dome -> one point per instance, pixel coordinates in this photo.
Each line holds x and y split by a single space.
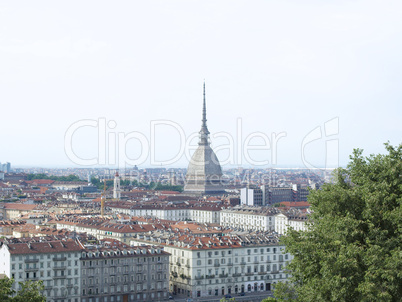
204 162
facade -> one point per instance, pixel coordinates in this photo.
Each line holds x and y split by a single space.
103 229
201 212
105 271
252 196
278 194
204 173
111 274
5 167
284 221
220 265
55 262
248 218
300 193
16 210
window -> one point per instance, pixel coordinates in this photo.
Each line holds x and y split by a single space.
198 262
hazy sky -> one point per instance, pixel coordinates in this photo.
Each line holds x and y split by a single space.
283 68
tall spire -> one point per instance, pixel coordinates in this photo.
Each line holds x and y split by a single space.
204 133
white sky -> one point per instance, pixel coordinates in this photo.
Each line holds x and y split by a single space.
279 66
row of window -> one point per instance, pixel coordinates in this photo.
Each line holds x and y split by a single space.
42 256
42 274
41 265
121 261
123 288
119 279
124 269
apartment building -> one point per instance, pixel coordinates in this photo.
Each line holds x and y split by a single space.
219 265
57 263
102 228
78 271
249 218
122 273
292 219
202 212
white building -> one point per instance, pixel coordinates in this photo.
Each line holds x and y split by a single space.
203 212
219 265
249 218
56 263
251 197
284 221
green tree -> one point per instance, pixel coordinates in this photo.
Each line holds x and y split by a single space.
31 291
352 250
6 290
70 177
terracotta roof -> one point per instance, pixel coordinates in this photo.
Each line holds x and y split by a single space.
44 247
19 206
295 204
40 181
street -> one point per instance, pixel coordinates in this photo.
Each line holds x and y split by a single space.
249 297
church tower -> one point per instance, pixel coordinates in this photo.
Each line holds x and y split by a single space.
204 173
116 188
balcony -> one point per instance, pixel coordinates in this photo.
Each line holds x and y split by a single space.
60 259
31 260
275 272
243 263
236 275
230 264
31 269
59 267
59 277
249 274
210 276
256 262
261 273
217 265
199 277
223 275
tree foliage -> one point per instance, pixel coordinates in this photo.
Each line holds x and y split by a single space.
352 250
70 177
30 291
146 185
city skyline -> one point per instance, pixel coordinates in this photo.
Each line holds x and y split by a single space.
325 72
